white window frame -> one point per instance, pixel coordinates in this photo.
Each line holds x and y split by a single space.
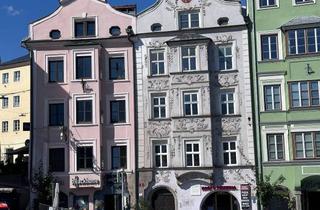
50 57
269 47
83 97
258 6
189 12
117 54
279 41
16 125
229 151
224 46
5 126
94 154
185 92
161 154
5 78
272 95
276 146
82 53
108 159
159 95
5 103
16 103
306 2
274 129
157 50
84 16
196 56
227 102
16 76
195 141
116 97
272 80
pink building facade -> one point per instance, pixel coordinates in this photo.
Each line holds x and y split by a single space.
83 103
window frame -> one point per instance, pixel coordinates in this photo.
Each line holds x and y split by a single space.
305 38
64 159
228 91
82 53
191 92
269 47
313 134
195 141
280 45
117 56
5 103
273 96
84 97
157 50
84 20
5 78
224 46
153 106
189 14
189 57
85 143
305 2
229 151
5 126
126 157
117 100
16 125
309 82
14 104
275 135
119 96
64 112
161 154
260 6
16 76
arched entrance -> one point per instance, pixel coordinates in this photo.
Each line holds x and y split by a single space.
162 199
220 201
310 188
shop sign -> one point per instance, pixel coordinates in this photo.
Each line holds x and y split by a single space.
223 188
195 190
78 182
245 196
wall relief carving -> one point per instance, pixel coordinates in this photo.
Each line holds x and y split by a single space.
189 79
158 84
191 124
159 129
163 176
230 125
226 80
223 38
156 44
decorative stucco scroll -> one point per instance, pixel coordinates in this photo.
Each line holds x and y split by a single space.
189 78
159 129
158 84
231 125
163 176
191 124
226 80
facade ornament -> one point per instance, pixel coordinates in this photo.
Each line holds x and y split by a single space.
159 129
189 79
158 84
156 44
192 124
231 125
223 38
226 80
163 176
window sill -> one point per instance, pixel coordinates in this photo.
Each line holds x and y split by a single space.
57 83
190 72
271 61
227 116
159 119
192 116
158 76
84 171
295 56
117 80
119 124
303 3
85 80
227 71
85 125
267 7
273 111
315 108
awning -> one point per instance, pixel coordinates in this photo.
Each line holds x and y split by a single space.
301 21
21 150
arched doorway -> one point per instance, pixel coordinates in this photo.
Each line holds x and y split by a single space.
310 188
162 199
220 201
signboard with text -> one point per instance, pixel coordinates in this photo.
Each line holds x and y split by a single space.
245 196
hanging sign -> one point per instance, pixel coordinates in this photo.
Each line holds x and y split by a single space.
245 196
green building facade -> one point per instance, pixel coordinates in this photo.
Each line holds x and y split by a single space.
285 52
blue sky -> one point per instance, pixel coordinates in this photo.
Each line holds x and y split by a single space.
15 15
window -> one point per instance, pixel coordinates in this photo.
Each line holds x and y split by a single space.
118 111
16 101
119 157
84 113
9 157
84 157
56 114
56 160
192 150
5 126
304 41
161 155
304 94
303 1
229 153
189 62
159 106
5 102
5 78
156 27
56 69
275 147
116 68
272 97
157 62
16 125
190 101
83 66
307 145
225 57
267 3
227 103
16 76
189 20
115 31
55 34
84 28
269 47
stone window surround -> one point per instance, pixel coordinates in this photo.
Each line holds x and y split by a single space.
236 105
54 56
197 46
112 143
232 43
199 100
192 140
280 45
272 80
87 142
87 52
164 49
156 141
277 129
229 151
115 54
150 107
179 10
84 16
115 97
92 97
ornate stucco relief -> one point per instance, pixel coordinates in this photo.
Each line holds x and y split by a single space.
158 84
163 176
159 129
189 78
192 124
229 125
226 80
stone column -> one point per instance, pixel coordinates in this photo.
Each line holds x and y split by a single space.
298 200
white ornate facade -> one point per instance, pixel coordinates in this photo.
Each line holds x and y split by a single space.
195 138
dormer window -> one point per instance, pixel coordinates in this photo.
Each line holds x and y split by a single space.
189 20
84 28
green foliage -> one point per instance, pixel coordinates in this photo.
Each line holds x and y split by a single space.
267 190
142 205
42 183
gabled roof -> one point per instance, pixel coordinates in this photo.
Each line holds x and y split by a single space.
301 20
21 59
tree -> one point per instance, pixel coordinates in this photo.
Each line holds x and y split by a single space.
266 190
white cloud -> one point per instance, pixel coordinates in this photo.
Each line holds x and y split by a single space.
11 10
